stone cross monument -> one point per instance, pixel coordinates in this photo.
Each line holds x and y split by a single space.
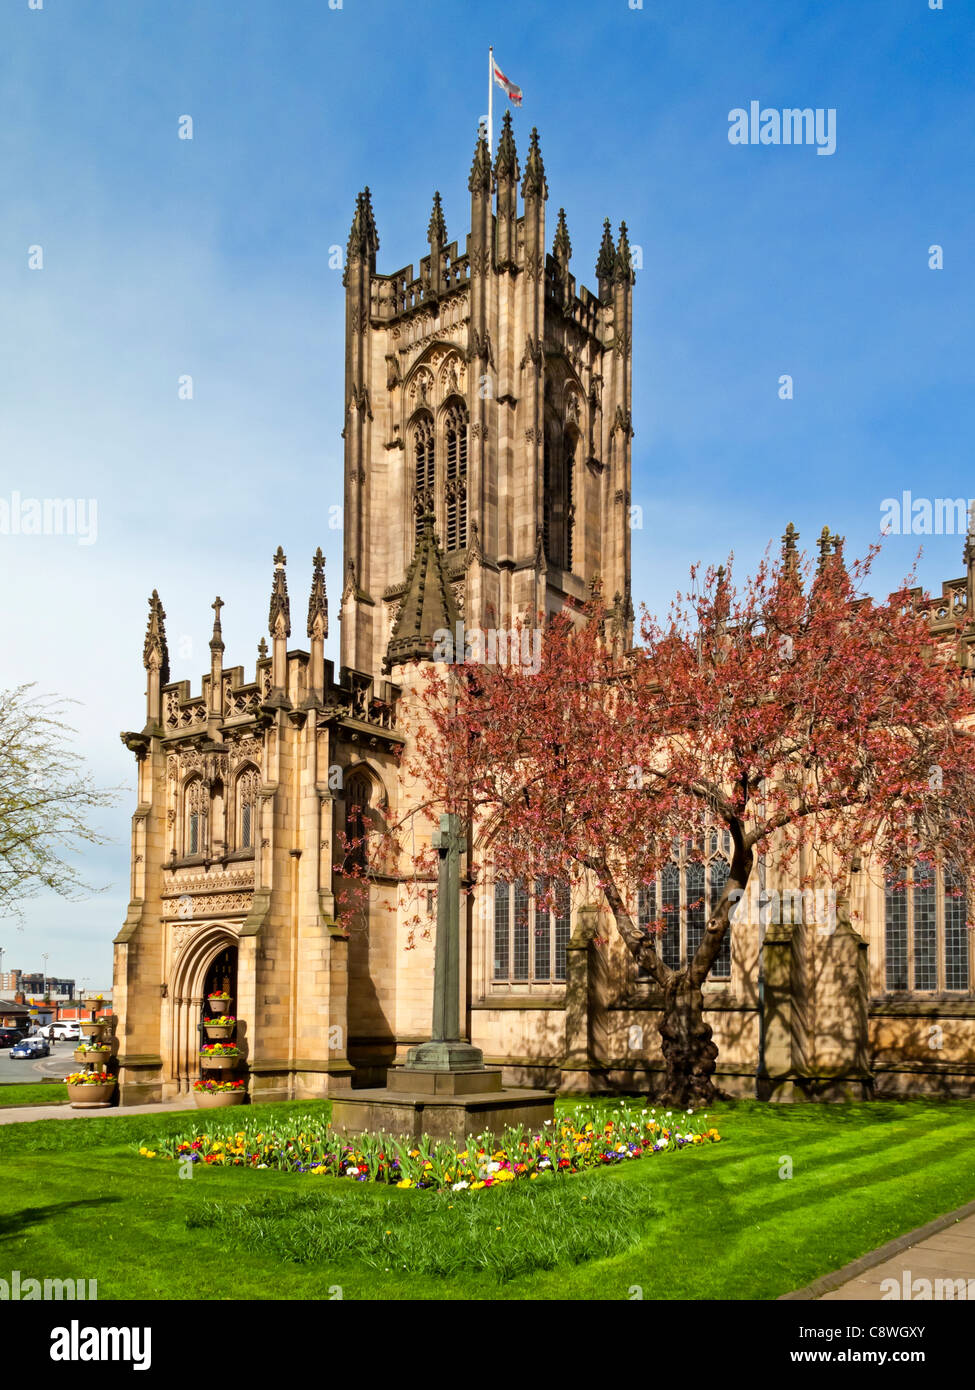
446 1051
444 1088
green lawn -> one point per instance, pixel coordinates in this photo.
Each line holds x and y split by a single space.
33 1093
77 1200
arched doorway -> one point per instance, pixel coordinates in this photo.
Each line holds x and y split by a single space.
221 976
207 964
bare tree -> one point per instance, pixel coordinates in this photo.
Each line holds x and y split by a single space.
45 797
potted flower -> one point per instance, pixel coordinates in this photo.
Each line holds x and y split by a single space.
94 1001
219 1001
212 1095
220 1027
219 1056
93 1052
94 1027
90 1089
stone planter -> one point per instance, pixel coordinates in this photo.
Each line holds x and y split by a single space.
93 1004
217 1100
218 1031
94 1097
98 1058
218 1062
93 1028
219 1006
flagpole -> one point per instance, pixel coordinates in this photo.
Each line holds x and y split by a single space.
491 101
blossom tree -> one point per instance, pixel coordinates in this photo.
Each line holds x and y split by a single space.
797 715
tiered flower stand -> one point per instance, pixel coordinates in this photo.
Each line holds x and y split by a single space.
94 1095
220 1028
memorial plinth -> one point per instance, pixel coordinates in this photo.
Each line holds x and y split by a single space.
444 1090
443 1105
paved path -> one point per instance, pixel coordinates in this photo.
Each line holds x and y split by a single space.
943 1250
12 1115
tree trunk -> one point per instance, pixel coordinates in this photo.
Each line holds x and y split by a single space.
686 1039
686 1042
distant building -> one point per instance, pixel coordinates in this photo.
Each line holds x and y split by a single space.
14 1015
36 982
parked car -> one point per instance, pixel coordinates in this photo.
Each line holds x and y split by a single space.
66 1032
10 1036
28 1048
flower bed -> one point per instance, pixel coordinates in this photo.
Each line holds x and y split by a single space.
586 1137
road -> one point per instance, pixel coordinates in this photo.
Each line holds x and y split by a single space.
59 1064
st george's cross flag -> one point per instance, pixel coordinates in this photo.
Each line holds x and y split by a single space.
513 92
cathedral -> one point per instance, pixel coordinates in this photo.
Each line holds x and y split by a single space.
487 446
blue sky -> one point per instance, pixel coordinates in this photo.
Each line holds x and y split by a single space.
163 257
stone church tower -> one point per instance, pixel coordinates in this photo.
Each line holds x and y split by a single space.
494 393
487 474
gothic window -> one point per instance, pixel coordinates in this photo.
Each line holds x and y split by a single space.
217 820
358 790
455 456
424 469
681 899
558 508
926 939
195 810
530 940
548 529
247 782
570 449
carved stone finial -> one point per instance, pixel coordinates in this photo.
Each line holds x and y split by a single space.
506 164
824 545
722 599
279 615
541 560
606 263
363 238
155 652
480 179
790 555
318 601
790 548
262 649
623 269
351 581
533 185
837 552
474 552
562 246
216 641
437 230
